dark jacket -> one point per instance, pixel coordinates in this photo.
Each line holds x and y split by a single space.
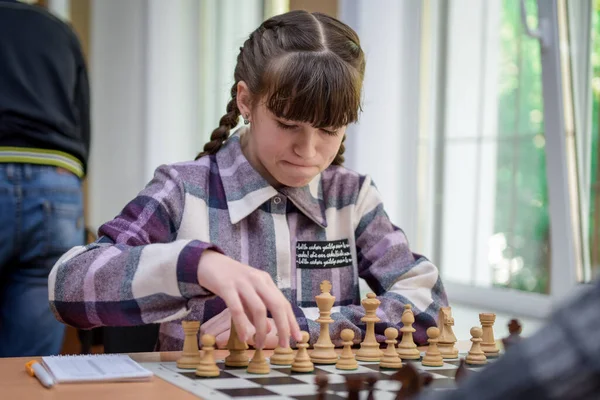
44 88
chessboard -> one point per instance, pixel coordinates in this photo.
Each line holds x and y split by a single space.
282 383
325 373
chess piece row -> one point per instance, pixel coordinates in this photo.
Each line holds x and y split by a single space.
434 358
442 340
447 339
324 349
482 338
324 352
301 361
205 365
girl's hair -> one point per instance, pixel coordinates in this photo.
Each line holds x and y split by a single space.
307 67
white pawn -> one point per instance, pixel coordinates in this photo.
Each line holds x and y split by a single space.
282 356
476 356
391 359
347 360
302 361
207 366
258 364
433 357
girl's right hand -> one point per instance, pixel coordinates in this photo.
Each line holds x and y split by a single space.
248 294
220 327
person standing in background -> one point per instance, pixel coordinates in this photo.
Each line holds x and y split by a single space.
44 147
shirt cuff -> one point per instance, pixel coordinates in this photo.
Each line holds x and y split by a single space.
187 269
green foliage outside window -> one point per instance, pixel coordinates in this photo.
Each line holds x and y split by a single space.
521 219
522 198
595 188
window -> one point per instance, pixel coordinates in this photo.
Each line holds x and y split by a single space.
519 245
594 230
494 209
504 159
493 164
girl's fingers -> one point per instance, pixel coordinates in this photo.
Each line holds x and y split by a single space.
217 324
222 339
294 327
243 326
271 342
258 315
269 325
281 321
248 294
282 313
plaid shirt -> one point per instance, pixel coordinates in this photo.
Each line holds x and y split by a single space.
142 269
560 361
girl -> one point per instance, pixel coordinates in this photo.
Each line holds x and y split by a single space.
250 229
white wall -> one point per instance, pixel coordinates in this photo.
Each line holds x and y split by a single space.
227 24
384 142
150 62
118 80
171 95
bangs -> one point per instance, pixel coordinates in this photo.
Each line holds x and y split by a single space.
318 88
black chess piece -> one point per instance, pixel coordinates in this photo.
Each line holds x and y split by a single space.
371 381
321 380
514 337
411 382
426 379
354 384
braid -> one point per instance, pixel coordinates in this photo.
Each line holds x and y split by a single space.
339 158
226 124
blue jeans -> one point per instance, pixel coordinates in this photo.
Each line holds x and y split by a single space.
41 217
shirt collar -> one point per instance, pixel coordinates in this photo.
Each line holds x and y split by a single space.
246 190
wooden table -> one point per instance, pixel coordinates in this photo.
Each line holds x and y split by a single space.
15 383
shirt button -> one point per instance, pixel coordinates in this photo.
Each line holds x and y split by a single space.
277 200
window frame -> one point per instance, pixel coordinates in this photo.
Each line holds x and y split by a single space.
564 211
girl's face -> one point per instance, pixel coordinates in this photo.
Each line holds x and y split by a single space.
287 153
